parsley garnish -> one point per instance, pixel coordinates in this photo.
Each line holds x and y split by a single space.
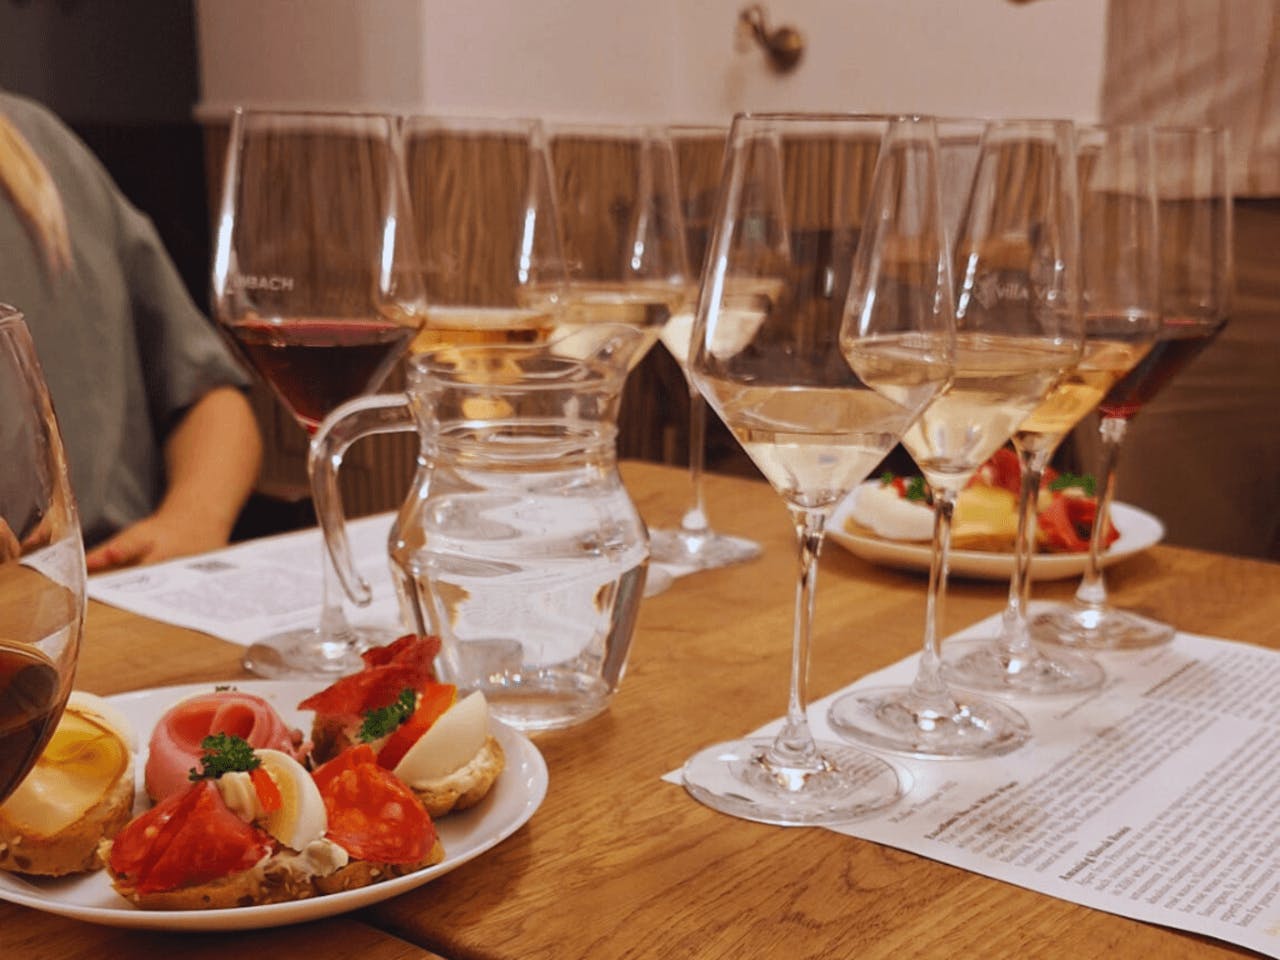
223 753
1064 480
381 721
916 489
886 478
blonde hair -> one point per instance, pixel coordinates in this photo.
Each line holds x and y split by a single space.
33 192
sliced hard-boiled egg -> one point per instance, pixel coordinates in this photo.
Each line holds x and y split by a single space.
449 744
301 817
88 752
878 507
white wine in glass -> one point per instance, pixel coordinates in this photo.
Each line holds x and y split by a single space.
799 217
1017 331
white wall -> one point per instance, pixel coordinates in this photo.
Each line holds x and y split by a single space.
656 60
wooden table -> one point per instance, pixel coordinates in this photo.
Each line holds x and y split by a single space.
617 863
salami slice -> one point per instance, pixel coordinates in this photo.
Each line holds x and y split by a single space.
188 839
404 664
373 815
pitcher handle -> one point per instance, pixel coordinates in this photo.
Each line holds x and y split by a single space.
361 417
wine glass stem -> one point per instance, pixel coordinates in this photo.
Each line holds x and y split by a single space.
336 636
1093 590
928 685
694 521
794 746
1015 639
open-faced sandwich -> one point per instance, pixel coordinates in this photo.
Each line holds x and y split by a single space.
900 509
80 790
414 726
255 827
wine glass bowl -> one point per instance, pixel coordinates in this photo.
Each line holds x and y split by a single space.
317 283
485 227
620 227
42 571
1017 329
798 209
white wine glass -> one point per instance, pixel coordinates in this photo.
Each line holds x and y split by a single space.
42 573
699 154
1119 277
798 203
621 230
1017 330
1193 193
317 281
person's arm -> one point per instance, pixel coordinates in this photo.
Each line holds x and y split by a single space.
212 458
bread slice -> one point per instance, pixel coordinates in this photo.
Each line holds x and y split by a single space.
271 880
73 849
465 787
361 873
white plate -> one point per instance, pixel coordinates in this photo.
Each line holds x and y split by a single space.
515 796
1138 531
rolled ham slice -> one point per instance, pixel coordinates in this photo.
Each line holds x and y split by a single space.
175 742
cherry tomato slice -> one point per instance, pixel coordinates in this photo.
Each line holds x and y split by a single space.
433 700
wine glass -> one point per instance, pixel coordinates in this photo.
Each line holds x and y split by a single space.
798 202
1017 331
1195 262
699 153
42 573
621 230
1119 276
317 281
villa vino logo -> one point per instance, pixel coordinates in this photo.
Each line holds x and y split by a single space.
995 287
273 283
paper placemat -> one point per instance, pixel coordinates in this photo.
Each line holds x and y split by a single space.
1153 798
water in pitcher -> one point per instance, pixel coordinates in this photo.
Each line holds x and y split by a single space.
531 570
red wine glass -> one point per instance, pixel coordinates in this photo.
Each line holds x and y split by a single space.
317 281
42 575
1194 214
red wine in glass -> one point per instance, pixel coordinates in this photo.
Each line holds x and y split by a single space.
315 364
1179 342
30 705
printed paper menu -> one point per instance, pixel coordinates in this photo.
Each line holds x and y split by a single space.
1156 798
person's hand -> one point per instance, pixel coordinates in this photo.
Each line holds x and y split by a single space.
152 539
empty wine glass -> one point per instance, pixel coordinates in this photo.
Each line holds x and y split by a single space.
317 281
1196 275
798 202
1017 330
1119 284
42 574
699 153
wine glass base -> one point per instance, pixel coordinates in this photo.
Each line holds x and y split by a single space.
306 653
985 665
701 551
1082 627
893 718
656 580
737 778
